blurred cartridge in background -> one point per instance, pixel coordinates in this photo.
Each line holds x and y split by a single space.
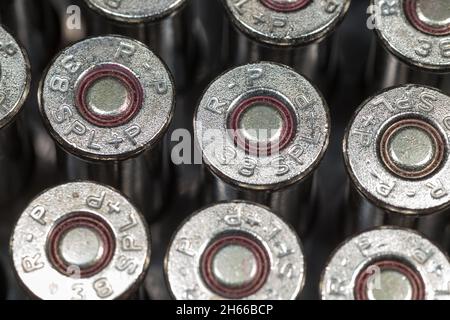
387 263
262 130
396 154
16 151
298 33
180 31
108 101
412 44
235 250
80 241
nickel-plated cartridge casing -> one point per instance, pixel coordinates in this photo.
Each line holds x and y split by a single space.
412 44
387 263
262 130
107 102
396 154
16 151
80 241
235 250
296 33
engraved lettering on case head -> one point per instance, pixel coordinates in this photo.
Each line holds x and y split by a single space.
38 215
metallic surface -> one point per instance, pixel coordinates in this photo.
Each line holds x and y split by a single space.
299 27
331 176
207 20
15 77
162 25
361 154
239 277
406 255
34 24
16 153
81 246
144 179
412 148
431 17
124 154
297 204
303 39
227 265
360 214
380 195
271 174
183 260
16 161
404 53
406 42
135 11
185 34
31 242
389 279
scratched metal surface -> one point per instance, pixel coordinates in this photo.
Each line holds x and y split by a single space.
355 40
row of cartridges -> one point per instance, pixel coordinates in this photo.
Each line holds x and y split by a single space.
114 111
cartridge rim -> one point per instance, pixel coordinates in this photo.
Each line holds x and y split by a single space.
142 115
235 221
122 261
406 40
416 192
300 23
303 124
136 11
15 75
389 247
